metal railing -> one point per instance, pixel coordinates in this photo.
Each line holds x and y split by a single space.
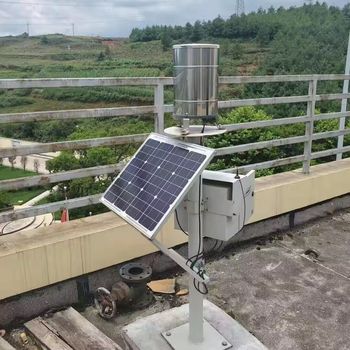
159 109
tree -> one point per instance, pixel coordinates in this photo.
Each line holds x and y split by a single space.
166 41
240 115
101 56
217 27
12 160
24 160
108 52
44 40
197 33
65 161
188 31
36 165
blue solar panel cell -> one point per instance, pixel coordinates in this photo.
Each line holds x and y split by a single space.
154 181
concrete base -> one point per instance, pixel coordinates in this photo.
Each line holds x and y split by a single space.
146 333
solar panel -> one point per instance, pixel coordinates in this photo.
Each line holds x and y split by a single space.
155 181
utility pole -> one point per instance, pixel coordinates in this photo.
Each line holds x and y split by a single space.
73 32
239 7
28 28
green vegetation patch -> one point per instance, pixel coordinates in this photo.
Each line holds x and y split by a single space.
7 173
22 196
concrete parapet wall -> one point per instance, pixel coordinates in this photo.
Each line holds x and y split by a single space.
46 256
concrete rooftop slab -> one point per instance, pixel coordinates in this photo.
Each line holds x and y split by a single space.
287 300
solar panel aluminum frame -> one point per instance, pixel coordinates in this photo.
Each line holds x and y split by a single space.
207 152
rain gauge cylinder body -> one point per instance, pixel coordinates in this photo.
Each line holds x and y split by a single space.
196 81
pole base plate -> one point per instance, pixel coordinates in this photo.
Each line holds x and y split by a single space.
147 333
179 340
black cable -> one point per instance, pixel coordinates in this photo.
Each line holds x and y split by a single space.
200 248
214 246
200 252
178 223
220 245
244 202
198 287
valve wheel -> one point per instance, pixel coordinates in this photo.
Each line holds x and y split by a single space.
106 307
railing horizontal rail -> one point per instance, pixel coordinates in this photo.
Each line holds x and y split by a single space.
83 82
283 121
70 145
268 164
42 180
328 134
333 115
15 184
263 101
279 100
259 145
74 114
286 161
265 123
94 199
49 208
137 110
331 97
280 78
152 81
120 140
330 152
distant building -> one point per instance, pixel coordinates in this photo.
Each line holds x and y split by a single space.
32 162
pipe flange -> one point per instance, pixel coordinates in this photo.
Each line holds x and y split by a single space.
135 273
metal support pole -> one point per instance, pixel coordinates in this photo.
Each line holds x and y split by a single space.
309 126
344 103
159 104
195 240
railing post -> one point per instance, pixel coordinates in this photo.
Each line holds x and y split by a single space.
159 104
309 126
344 103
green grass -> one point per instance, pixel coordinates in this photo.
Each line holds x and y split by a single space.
23 195
6 173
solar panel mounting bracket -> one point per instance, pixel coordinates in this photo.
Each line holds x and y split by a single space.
180 260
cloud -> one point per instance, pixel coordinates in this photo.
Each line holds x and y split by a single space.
117 17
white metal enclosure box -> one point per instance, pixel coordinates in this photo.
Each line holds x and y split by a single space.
227 204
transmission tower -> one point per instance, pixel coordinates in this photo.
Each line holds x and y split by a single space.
239 7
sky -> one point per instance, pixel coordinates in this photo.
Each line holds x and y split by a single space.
116 18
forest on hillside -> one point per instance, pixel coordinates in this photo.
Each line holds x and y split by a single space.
307 39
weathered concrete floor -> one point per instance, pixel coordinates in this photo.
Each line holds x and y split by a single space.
285 299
